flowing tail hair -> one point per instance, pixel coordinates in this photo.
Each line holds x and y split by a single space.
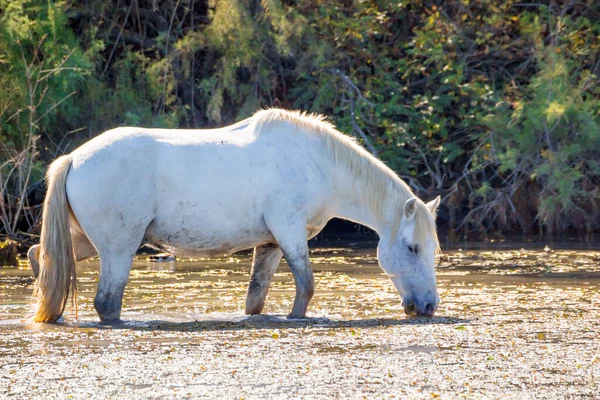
57 274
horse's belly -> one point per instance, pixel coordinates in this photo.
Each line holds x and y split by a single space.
190 240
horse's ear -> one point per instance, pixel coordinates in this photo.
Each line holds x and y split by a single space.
409 208
433 205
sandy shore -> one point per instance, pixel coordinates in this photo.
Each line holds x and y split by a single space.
504 330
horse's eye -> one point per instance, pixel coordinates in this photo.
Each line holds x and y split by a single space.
414 249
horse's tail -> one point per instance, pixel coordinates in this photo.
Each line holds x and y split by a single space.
56 257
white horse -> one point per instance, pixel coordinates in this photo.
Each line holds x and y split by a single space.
269 182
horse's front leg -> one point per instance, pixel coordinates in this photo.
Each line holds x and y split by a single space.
290 233
265 262
297 259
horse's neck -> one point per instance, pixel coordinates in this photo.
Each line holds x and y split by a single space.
351 204
358 214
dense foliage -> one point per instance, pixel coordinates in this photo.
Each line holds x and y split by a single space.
493 104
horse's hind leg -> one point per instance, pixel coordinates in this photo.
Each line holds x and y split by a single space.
33 255
116 256
114 274
265 262
81 245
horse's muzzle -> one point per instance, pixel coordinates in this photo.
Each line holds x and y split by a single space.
420 309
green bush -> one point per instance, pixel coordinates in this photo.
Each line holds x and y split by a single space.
493 104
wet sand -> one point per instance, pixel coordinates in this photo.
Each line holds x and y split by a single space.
511 324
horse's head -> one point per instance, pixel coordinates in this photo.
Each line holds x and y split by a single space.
407 256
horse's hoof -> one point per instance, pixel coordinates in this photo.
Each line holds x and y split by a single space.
292 316
254 307
110 322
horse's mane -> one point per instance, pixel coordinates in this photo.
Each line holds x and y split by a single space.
381 188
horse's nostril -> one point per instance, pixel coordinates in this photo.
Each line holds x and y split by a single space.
429 309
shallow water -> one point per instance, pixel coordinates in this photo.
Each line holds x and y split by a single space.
511 323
